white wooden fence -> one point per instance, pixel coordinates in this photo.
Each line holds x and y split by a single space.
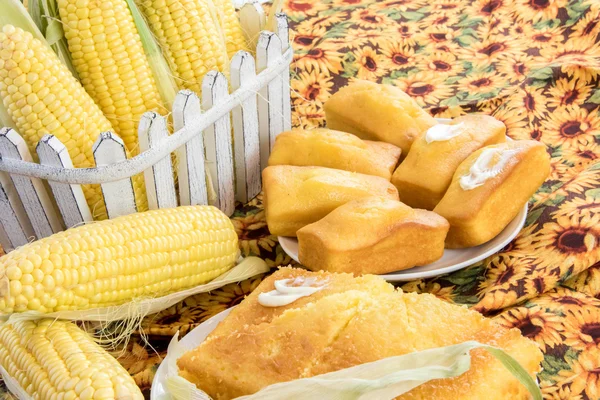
212 134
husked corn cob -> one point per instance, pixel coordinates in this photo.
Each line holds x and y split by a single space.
189 33
53 359
109 57
112 262
231 27
42 97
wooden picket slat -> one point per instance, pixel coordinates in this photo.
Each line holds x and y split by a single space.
191 173
252 19
160 185
33 194
119 196
245 130
217 142
284 35
270 116
69 198
12 216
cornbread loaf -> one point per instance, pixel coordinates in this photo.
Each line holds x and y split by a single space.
373 235
342 325
425 174
334 149
298 196
489 189
377 112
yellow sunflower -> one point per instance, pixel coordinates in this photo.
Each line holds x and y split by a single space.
503 272
546 37
305 39
319 22
586 372
253 234
312 86
578 58
568 93
368 18
587 282
358 37
541 283
324 58
488 7
425 87
571 127
570 243
520 246
580 181
401 5
555 391
562 299
440 19
447 7
438 34
535 10
583 327
513 118
403 31
515 66
370 64
521 30
531 99
531 131
496 299
585 206
441 63
543 327
297 9
398 54
588 27
451 47
448 112
434 288
581 155
308 115
480 83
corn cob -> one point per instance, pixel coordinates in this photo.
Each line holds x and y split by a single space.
189 33
231 27
115 261
42 97
52 359
108 55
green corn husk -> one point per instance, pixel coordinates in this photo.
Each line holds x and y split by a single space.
379 380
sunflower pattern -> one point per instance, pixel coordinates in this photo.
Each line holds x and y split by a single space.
533 64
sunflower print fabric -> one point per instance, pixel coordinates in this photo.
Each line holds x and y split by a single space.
533 64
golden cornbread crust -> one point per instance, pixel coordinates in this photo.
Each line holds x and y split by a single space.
373 235
334 149
480 214
377 112
338 328
426 172
297 196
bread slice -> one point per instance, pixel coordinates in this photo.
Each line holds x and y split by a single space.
373 235
334 149
297 196
377 112
339 329
478 209
426 172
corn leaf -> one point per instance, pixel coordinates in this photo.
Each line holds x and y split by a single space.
159 65
379 380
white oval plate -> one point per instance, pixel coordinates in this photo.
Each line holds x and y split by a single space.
452 259
158 390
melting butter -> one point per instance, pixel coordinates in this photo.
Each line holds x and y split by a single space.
489 164
289 290
442 132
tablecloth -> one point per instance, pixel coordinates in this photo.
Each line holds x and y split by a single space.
533 64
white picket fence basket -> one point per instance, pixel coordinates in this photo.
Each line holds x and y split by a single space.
258 106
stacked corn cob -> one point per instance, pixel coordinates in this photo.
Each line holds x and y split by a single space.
112 262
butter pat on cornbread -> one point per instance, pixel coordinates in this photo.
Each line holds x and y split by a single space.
372 236
297 196
334 149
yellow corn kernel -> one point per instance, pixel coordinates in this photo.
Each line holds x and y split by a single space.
108 55
59 106
189 33
231 27
142 255
55 359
